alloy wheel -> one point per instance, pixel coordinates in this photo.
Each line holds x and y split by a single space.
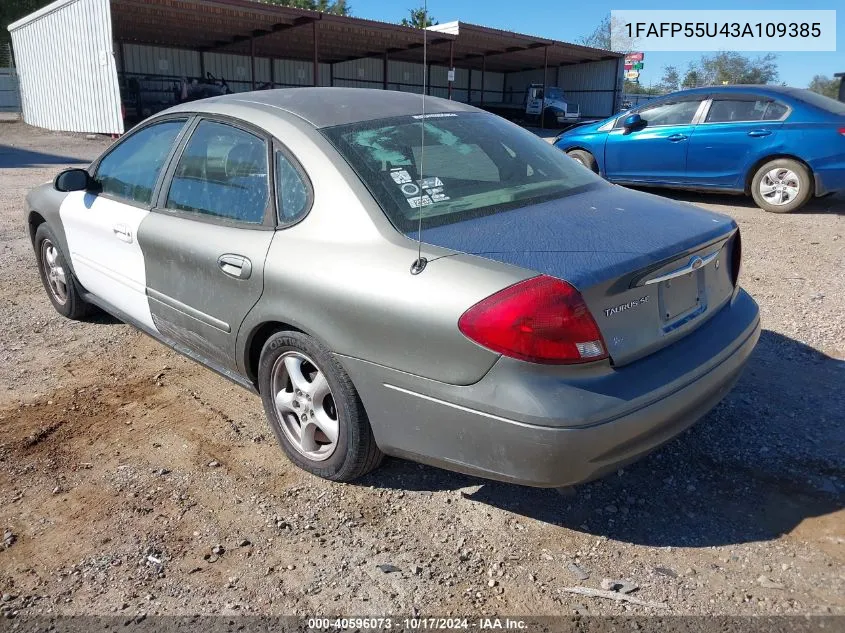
305 406
54 272
780 186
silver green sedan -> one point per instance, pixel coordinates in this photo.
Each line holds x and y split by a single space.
405 276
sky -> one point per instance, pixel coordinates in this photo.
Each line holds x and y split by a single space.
570 21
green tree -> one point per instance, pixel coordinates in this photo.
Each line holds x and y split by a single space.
671 80
609 35
420 19
600 37
731 67
12 10
825 86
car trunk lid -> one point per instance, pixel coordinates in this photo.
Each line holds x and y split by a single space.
649 269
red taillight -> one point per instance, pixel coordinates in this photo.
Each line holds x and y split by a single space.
842 131
541 320
736 258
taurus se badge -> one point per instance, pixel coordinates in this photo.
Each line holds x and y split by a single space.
608 312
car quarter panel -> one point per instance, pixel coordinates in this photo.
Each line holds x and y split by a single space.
46 202
511 425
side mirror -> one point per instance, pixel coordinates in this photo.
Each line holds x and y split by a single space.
633 122
74 179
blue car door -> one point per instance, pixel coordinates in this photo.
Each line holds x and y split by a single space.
657 151
735 130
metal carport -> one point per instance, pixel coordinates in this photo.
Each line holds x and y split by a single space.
116 57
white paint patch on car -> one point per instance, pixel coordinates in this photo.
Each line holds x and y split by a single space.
102 237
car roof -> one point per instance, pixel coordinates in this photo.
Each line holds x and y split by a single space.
327 107
745 88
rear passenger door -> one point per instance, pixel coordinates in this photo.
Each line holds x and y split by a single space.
206 240
736 130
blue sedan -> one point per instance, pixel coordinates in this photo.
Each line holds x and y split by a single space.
780 145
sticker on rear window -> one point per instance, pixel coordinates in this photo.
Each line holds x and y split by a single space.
400 176
419 201
427 183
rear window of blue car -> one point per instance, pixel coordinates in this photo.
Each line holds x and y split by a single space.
471 164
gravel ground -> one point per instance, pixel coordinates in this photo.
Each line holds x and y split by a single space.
134 481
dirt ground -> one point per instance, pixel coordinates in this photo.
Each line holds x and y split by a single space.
135 481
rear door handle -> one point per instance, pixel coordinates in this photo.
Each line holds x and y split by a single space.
759 133
677 137
236 266
123 233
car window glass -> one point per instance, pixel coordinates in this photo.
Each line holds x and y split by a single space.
292 191
465 161
222 173
131 169
678 113
728 110
775 111
473 164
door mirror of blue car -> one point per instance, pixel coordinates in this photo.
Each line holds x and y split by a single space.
633 122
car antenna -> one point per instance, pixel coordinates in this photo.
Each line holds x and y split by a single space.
420 262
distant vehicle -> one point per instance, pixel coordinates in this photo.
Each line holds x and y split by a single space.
546 104
780 145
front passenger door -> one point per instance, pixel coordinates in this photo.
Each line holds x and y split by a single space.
656 153
206 241
102 226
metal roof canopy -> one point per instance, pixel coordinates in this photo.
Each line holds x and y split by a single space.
247 27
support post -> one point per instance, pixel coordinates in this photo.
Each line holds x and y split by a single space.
469 88
428 80
252 60
616 82
316 78
545 87
122 48
384 72
451 62
483 70
202 65
331 74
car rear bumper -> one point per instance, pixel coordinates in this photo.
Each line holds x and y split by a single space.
555 426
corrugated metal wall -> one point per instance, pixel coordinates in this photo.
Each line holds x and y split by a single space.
47 51
156 60
368 72
10 100
595 86
592 85
516 83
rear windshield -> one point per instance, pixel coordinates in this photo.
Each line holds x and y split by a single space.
820 101
471 164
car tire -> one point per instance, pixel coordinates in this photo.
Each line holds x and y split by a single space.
57 277
585 158
782 179
304 415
